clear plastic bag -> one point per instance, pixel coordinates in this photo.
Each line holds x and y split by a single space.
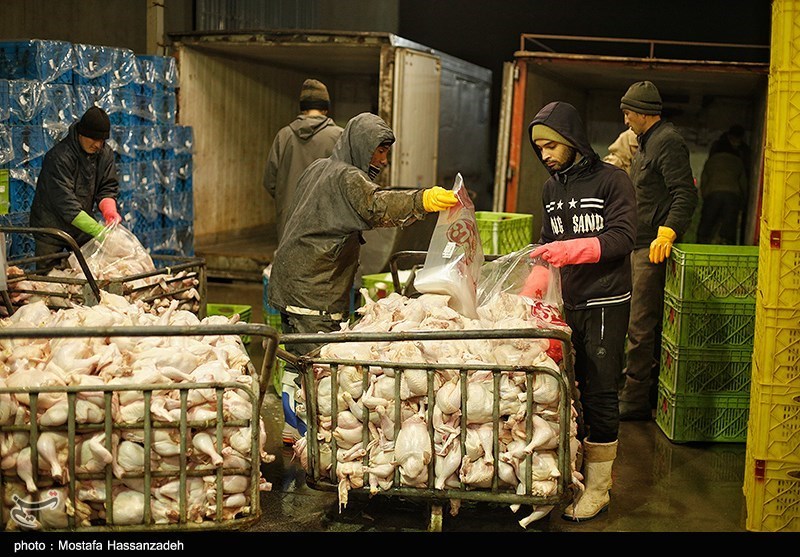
509 272
118 254
455 255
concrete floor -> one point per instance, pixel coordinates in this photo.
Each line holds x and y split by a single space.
659 486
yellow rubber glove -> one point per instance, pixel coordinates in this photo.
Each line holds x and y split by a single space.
438 199
661 247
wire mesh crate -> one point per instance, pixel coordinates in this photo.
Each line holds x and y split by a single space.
182 487
321 404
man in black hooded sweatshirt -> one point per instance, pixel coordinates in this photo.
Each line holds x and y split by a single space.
588 232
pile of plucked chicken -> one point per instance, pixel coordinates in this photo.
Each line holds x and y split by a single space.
135 362
119 256
406 446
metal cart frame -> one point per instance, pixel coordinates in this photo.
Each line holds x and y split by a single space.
147 425
437 497
90 287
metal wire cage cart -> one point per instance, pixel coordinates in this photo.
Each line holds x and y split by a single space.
100 497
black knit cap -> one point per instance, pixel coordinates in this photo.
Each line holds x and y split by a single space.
94 124
314 94
642 97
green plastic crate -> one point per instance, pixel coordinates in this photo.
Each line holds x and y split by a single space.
690 324
378 285
700 272
705 370
228 310
717 418
502 233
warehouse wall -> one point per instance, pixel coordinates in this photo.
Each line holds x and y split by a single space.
119 23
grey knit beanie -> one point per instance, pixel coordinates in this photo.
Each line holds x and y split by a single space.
314 94
642 97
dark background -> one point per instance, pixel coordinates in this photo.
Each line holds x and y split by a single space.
487 32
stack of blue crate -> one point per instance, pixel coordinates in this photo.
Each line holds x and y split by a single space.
45 86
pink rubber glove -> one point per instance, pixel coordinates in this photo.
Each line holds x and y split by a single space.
570 252
536 283
108 207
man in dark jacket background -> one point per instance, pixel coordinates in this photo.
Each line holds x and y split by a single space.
77 173
588 231
310 136
666 199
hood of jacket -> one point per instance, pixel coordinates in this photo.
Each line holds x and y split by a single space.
564 118
305 127
360 138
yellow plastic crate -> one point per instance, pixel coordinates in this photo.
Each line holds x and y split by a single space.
772 495
780 204
776 347
779 267
785 48
228 310
503 233
774 429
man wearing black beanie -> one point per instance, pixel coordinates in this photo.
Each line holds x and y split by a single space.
77 173
666 199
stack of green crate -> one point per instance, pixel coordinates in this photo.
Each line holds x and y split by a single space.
707 343
503 233
229 310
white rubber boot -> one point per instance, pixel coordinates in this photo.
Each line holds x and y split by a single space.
598 459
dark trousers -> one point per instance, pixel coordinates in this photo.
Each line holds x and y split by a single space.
46 248
292 323
719 214
644 330
598 338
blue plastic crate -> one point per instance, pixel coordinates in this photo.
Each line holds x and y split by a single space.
158 71
28 143
59 110
27 101
5 104
105 66
20 195
87 96
47 61
164 106
184 140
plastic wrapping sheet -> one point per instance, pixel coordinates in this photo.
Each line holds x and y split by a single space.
6 147
47 61
26 99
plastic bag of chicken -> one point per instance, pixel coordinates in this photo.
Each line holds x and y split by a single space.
115 253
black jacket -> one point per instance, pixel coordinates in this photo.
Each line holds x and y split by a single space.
590 198
663 181
71 181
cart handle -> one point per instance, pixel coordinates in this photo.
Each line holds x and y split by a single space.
71 243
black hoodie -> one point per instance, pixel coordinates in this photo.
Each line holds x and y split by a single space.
591 198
